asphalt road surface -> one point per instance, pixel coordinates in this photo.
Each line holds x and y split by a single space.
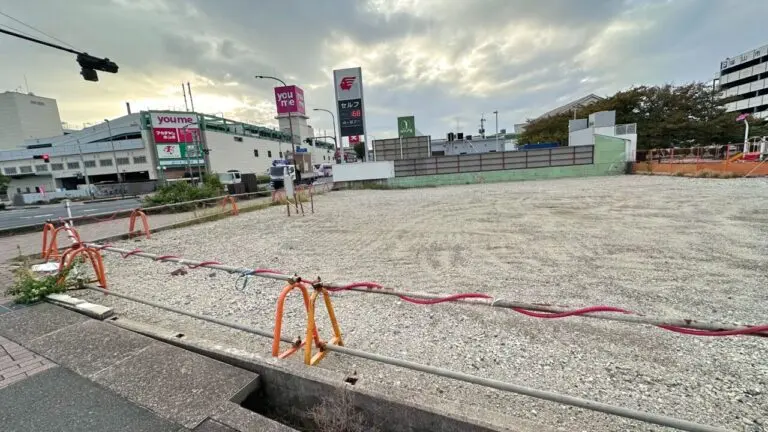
30 216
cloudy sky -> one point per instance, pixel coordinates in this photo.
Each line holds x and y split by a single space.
444 61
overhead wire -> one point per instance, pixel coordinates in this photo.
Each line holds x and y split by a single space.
36 29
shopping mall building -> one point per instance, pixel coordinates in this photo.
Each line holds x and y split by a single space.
143 148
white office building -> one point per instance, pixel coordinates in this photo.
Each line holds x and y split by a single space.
745 78
25 116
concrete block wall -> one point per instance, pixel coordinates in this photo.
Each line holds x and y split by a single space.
608 160
412 148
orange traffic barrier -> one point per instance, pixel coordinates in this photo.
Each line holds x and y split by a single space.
91 254
309 359
311 335
132 223
230 199
48 227
52 250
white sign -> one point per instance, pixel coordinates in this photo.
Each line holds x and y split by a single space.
348 83
179 162
168 151
288 184
173 120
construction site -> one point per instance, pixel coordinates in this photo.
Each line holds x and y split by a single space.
457 278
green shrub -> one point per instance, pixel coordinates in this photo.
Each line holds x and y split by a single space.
182 191
29 288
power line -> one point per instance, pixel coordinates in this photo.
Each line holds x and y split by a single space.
35 29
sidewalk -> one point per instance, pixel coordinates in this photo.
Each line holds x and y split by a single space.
38 395
64 372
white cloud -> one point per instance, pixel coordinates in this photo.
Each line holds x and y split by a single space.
437 59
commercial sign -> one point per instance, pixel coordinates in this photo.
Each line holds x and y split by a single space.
350 105
174 128
354 139
351 117
178 154
289 99
406 127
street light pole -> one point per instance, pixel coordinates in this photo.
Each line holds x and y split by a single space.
335 138
290 117
114 155
496 113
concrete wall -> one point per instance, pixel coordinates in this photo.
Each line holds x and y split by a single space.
608 160
363 171
23 185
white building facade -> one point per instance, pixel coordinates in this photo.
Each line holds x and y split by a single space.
745 78
583 131
25 116
146 147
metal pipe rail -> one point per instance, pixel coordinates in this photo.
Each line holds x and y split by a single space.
459 376
694 324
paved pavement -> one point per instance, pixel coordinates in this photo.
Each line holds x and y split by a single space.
29 216
61 371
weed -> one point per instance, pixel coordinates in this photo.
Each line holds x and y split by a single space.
338 414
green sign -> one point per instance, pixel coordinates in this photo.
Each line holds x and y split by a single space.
406 127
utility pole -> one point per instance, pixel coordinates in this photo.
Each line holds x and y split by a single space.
496 113
114 155
85 170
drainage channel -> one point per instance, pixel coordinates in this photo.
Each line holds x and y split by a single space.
657 419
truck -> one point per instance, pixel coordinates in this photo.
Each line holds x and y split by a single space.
281 168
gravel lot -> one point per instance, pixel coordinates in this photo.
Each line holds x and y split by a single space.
659 245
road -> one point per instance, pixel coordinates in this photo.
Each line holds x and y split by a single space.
30 216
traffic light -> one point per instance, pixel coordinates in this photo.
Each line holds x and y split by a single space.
90 64
44 157
308 141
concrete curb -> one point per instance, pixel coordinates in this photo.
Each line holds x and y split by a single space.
92 310
292 381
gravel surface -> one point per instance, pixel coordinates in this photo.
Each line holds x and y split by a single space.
663 246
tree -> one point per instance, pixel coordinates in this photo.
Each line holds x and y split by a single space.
666 116
359 150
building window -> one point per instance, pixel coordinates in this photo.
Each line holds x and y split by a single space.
41 168
57 166
89 164
139 159
238 139
105 162
10 170
281 155
255 153
123 161
73 165
269 153
25 169
29 190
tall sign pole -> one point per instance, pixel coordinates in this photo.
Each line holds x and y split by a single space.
350 106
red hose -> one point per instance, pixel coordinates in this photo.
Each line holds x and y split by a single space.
450 298
133 252
570 313
736 332
203 264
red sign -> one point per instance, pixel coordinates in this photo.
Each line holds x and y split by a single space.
354 139
289 99
347 82
174 135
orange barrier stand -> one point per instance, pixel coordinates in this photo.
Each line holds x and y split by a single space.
132 223
279 321
309 359
91 254
231 200
52 250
